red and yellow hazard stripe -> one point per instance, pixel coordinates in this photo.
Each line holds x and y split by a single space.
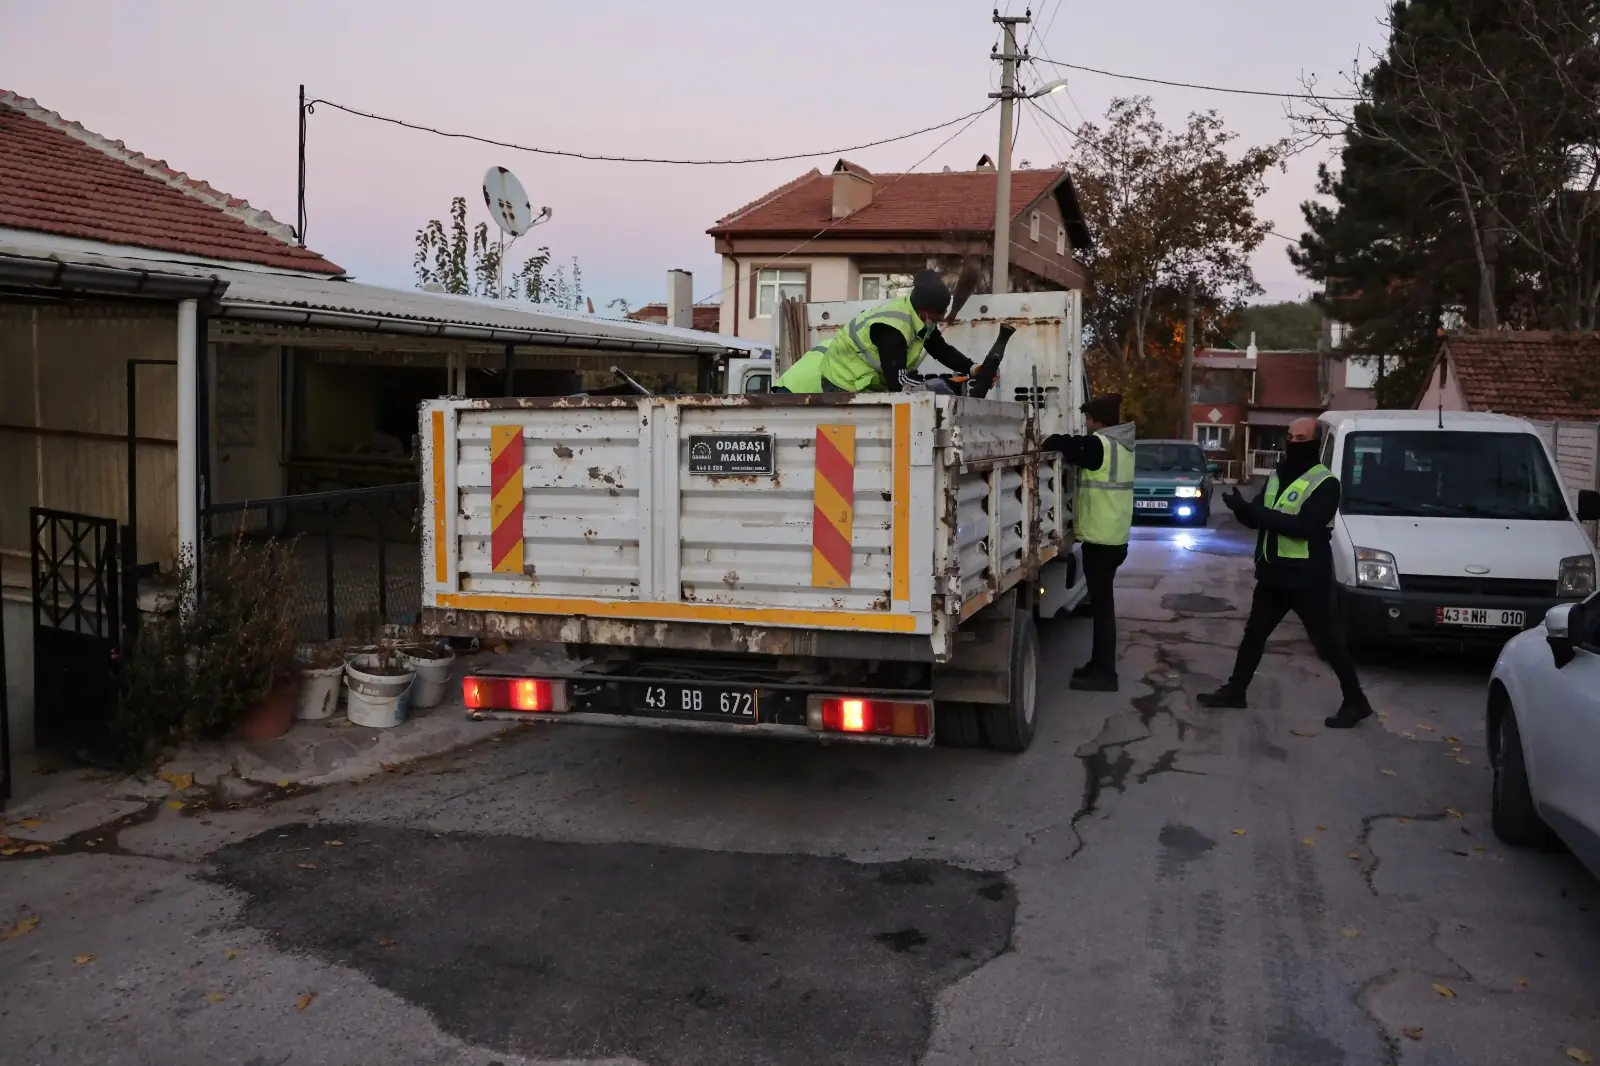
833 496
505 499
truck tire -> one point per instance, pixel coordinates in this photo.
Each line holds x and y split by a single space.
1009 726
955 725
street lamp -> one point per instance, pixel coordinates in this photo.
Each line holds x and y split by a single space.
1047 88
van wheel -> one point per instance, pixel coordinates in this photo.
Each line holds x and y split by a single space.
1513 815
955 725
1009 726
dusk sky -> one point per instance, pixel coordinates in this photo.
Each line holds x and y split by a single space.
210 87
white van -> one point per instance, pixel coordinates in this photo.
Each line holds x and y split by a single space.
1452 526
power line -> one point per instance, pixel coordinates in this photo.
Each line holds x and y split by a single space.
597 158
1192 85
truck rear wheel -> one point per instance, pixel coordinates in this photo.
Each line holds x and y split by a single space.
956 725
1009 726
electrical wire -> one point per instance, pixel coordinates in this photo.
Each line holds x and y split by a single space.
1193 85
597 158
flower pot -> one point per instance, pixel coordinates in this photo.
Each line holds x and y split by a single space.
377 692
273 716
432 663
319 693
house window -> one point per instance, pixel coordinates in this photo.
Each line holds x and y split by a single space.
1061 240
775 285
885 286
1033 226
1214 438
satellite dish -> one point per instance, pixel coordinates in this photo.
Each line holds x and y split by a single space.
507 202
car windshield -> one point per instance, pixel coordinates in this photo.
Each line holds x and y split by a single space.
1157 458
1450 474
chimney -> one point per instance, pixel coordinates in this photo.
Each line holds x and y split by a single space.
680 299
852 189
985 163
1250 352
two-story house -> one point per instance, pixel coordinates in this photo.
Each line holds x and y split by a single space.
855 235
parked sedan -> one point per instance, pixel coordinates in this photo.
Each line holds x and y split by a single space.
1544 733
1172 479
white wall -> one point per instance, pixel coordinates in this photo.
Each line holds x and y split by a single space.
1443 392
833 277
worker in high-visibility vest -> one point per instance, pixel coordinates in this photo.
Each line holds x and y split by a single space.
880 348
1293 517
1103 519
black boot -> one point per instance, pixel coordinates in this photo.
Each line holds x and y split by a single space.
1080 672
1350 714
1225 698
1093 681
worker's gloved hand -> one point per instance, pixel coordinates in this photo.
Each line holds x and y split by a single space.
1236 503
1055 442
910 382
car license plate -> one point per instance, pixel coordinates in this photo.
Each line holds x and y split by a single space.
673 699
1150 505
1480 617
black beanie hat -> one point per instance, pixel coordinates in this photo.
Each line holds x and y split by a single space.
1106 410
930 293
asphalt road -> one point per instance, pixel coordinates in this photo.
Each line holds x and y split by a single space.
1152 883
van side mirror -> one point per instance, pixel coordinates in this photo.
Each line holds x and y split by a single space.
1212 468
1558 632
1588 505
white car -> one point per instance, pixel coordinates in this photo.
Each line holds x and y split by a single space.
1544 733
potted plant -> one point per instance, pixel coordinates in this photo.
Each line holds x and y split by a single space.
379 681
321 671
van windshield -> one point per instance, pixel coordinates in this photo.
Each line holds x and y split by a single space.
1154 458
1450 474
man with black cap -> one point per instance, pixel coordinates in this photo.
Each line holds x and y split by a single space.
1103 518
1293 516
880 348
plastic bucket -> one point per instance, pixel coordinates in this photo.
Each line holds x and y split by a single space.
376 700
432 664
319 693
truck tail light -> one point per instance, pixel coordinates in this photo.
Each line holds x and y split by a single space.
530 694
868 717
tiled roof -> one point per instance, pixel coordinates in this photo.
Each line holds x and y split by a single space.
1288 380
57 177
707 318
1529 374
945 202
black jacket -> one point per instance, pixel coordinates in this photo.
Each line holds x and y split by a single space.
1311 525
1086 451
892 349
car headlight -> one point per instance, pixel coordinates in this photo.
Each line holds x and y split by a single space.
1576 576
1188 492
1376 570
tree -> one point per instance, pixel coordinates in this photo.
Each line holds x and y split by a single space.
466 262
1279 326
1164 206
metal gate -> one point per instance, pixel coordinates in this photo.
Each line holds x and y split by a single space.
76 630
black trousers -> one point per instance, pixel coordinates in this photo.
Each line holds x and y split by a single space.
1100 562
1314 606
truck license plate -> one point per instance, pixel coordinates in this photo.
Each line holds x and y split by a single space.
1480 617
1150 505
672 699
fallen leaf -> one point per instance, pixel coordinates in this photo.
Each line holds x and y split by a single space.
387 941
29 849
1452 812
84 959
21 928
1453 751
1408 736
30 823
1577 1054
1522 982
216 997
1444 990
1302 732
174 805
1322 828
1477 847
1413 1034
1425 727
386 767
1452 740
1388 773
1355 855
1403 821
1238 832
1308 842
283 784
1463 762
307 865
9 851
231 954
1350 934
179 782
304 1001
334 843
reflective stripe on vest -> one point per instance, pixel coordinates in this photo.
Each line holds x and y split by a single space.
1105 496
852 360
1276 547
805 376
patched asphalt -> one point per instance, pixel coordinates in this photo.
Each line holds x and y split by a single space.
668 955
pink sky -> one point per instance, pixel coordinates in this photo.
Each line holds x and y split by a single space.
211 88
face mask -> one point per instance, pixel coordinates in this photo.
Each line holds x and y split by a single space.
1301 451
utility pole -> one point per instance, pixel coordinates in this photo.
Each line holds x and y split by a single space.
1008 24
1185 422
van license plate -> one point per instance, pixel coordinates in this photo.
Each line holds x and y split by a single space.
1479 617
672 699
